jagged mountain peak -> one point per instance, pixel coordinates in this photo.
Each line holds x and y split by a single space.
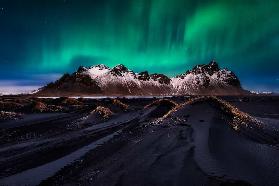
82 69
161 78
143 76
121 67
118 70
213 64
210 68
207 78
119 80
100 66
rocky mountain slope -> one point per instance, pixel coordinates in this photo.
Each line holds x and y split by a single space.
120 81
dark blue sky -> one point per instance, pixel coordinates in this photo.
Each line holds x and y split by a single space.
42 39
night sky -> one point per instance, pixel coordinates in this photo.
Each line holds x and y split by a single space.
42 39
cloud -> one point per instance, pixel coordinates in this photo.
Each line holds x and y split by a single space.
31 80
44 78
17 89
26 85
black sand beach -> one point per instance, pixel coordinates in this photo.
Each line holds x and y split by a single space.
141 141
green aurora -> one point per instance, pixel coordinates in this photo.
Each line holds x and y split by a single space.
167 36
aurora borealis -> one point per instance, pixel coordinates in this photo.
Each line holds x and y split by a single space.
42 38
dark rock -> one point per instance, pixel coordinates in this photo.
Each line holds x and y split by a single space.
119 69
210 68
101 66
81 69
71 84
161 78
144 76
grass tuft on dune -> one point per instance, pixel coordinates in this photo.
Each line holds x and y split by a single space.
103 112
120 104
239 118
162 102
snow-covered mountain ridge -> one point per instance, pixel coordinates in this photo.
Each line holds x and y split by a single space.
119 80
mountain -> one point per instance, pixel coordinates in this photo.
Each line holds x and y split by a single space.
207 79
120 81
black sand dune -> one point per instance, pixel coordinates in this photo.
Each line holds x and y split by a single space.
175 141
98 115
157 109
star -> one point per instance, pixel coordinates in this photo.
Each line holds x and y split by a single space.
2 10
